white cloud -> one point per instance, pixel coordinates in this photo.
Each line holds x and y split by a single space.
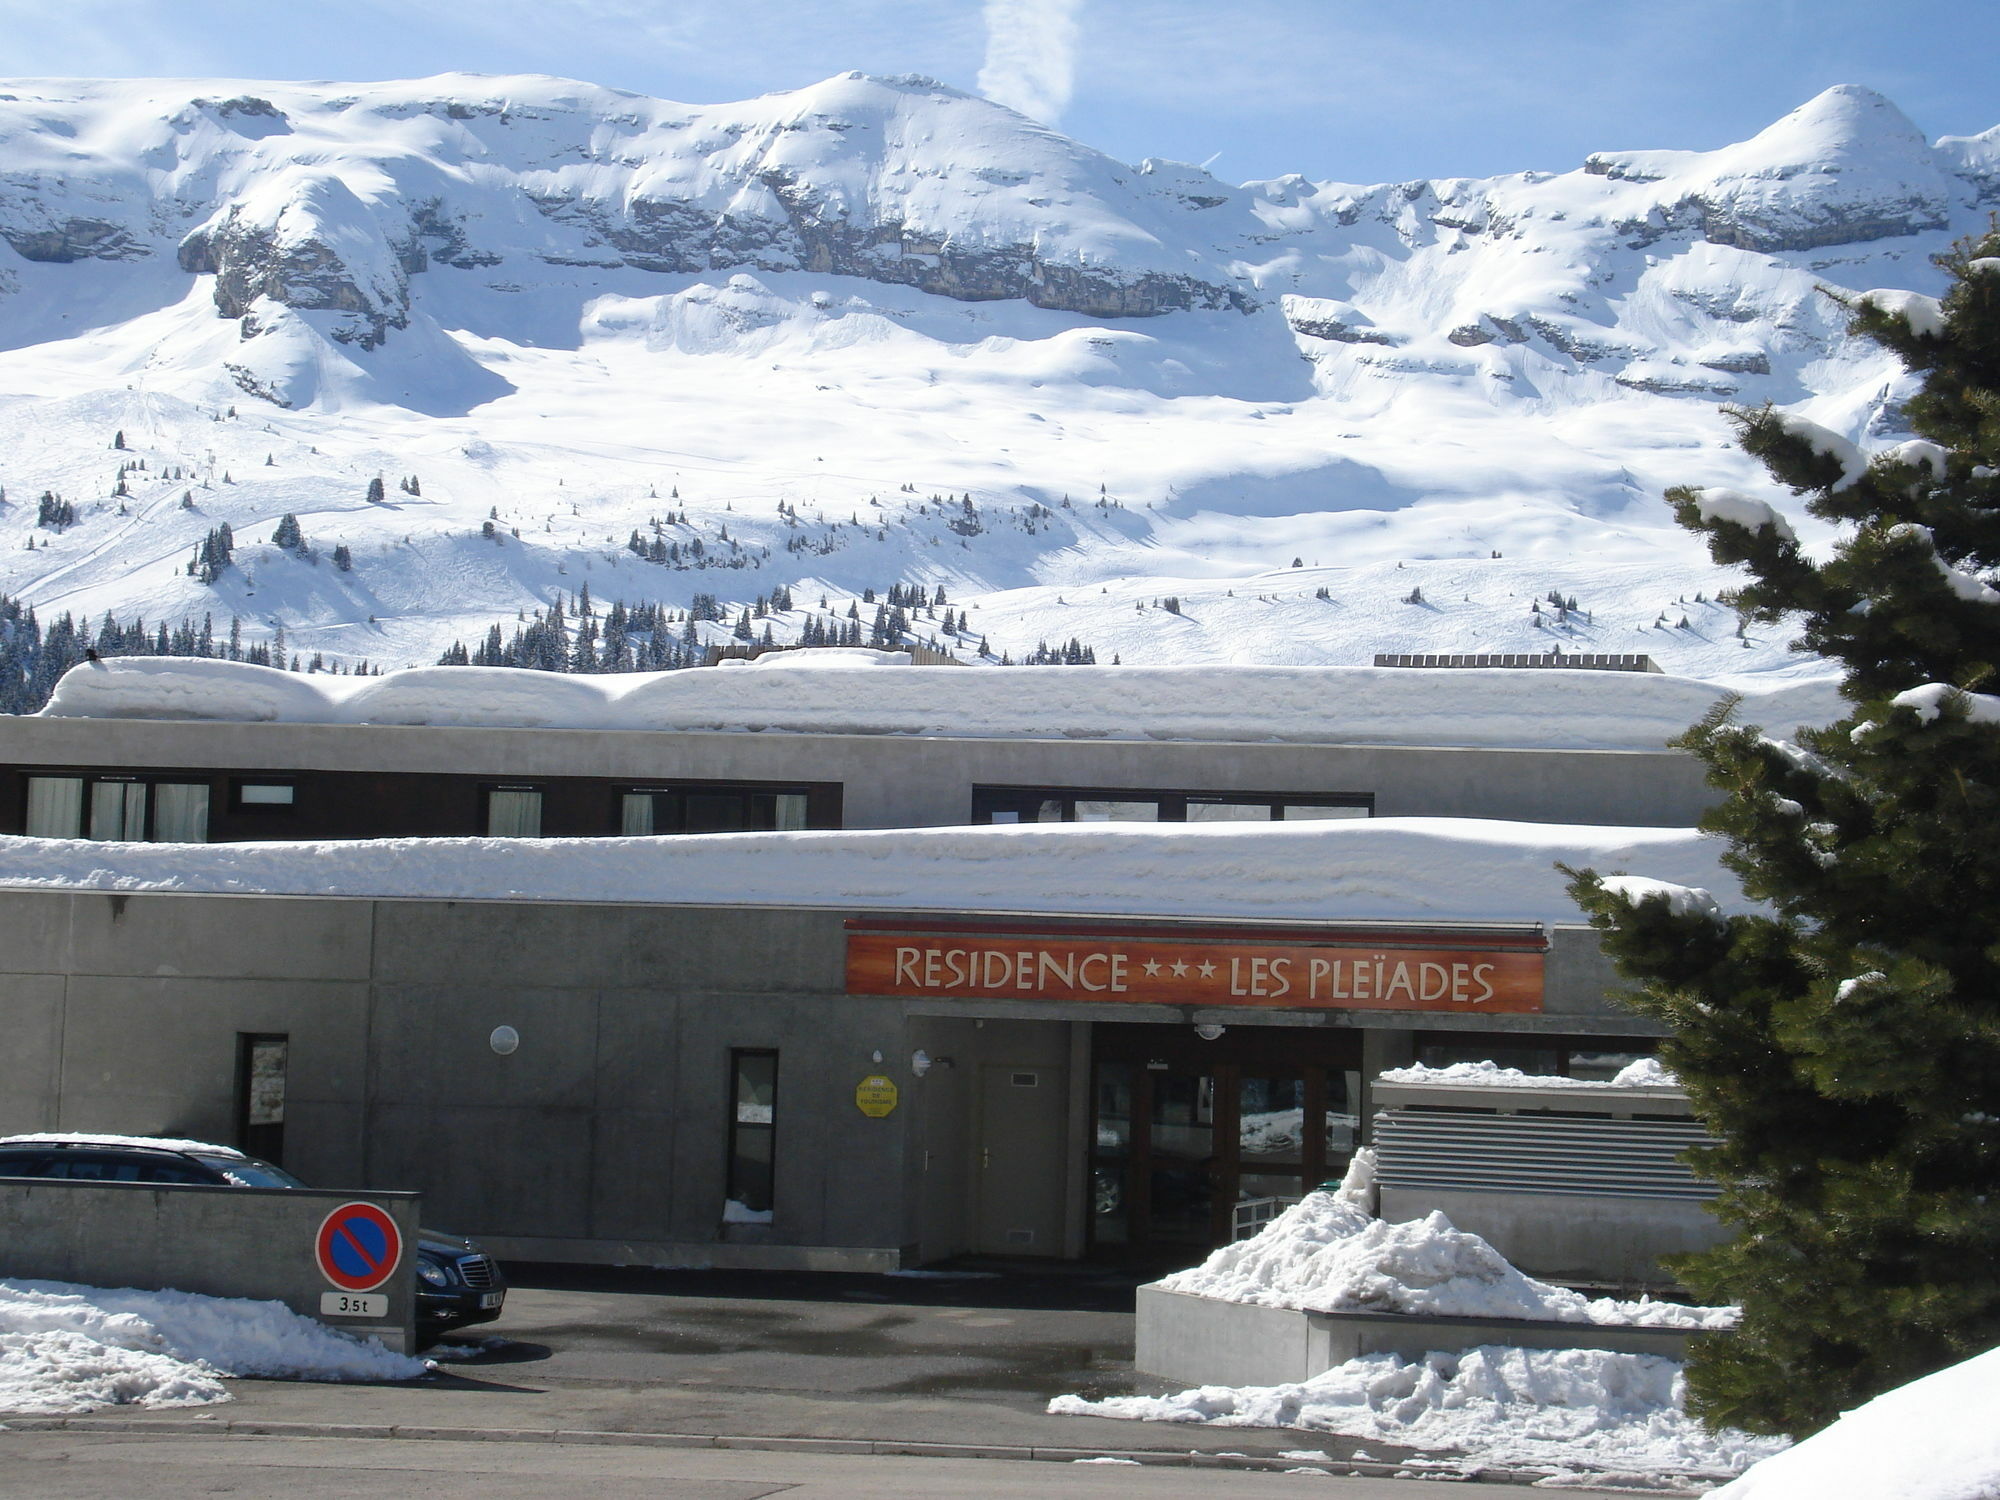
1030 61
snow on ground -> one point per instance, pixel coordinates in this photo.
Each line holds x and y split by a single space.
1585 1411
1582 1410
1329 1253
1937 1438
66 1348
1443 869
1511 708
1646 1073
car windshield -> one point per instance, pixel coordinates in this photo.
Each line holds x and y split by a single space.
247 1171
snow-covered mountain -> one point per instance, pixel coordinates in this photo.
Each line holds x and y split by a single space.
880 331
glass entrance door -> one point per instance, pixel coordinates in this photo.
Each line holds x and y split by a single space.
1184 1130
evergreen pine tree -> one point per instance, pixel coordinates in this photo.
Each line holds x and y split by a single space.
376 493
1843 1045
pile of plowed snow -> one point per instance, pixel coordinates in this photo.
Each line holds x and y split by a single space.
66 1348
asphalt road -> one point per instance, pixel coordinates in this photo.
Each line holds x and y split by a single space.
63 1466
606 1356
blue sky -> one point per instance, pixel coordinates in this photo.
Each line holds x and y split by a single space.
1332 89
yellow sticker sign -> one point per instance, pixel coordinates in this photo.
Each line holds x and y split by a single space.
875 1096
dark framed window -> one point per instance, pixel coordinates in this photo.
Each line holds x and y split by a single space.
513 812
647 810
133 809
1019 804
262 796
262 1061
753 1135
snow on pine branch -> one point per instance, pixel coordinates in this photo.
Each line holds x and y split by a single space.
1972 589
1929 700
1925 315
1682 900
1744 510
1824 440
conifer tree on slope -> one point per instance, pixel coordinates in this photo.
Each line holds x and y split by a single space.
1844 1046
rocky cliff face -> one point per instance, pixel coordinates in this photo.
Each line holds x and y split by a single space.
339 206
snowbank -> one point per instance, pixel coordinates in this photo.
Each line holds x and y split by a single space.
1505 708
1443 869
67 1348
1327 1253
1937 1438
1566 1409
1646 1073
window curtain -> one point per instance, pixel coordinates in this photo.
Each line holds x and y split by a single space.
118 810
637 821
55 807
180 812
513 815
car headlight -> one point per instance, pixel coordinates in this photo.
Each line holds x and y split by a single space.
432 1272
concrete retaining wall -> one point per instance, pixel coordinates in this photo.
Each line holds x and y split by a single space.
218 1241
1204 1341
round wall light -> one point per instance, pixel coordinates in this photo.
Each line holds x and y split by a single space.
505 1040
1208 1031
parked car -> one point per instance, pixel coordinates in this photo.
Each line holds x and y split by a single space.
458 1284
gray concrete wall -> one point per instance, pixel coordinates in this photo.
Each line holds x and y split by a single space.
1203 1341
218 1241
1571 1237
604 1137
908 781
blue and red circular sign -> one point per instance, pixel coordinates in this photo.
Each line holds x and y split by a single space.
358 1247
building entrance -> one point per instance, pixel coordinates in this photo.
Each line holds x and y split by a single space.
1184 1130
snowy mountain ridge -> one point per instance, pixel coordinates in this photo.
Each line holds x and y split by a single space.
879 330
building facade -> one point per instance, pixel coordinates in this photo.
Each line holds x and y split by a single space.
743 1083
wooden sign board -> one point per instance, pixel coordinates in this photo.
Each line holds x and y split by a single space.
1149 971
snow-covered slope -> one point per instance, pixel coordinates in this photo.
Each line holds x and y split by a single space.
877 330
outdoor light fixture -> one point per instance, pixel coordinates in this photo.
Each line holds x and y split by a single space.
1208 1031
505 1040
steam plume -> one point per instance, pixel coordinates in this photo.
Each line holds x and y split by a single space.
1030 61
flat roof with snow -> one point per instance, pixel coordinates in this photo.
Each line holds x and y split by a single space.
849 692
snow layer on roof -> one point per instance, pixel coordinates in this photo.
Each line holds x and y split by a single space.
1420 869
1937 1438
1646 1073
156 1142
1499 707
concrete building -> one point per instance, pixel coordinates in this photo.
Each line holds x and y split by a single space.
776 1084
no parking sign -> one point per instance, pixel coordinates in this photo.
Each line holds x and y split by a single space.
358 1247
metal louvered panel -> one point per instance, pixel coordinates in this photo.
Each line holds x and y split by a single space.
1524 1153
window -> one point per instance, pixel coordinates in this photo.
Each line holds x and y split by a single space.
514 812
127 808
262 1061
118 810
180 813
55 807
753 1104
259 795
644 811
1007 804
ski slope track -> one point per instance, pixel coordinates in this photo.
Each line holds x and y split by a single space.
876 331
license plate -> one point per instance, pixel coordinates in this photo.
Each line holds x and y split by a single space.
492 1299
